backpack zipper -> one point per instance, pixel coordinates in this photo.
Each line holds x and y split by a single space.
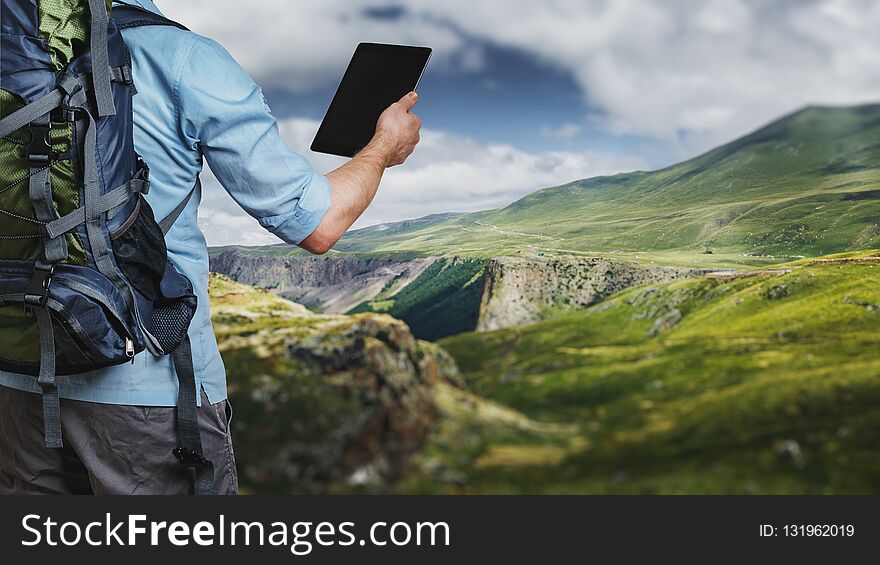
89 293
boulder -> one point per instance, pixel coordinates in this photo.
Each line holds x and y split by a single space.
323 401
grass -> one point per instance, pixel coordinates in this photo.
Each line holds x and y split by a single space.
767 383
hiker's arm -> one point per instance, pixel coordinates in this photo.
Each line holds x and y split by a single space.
354 184
223 113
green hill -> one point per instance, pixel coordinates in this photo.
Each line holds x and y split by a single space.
766 382
808 184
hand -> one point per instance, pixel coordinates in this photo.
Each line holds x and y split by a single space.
397 132
354 184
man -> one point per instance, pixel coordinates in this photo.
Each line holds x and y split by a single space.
194 102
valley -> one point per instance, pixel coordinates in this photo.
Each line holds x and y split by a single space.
711 327
762 382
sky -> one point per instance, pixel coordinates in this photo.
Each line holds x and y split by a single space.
526 94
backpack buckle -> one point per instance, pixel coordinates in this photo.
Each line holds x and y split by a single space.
70 113
37 292
39 147
190 458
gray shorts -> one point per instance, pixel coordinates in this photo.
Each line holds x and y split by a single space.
108 449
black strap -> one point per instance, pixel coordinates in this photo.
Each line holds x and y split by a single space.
51 401
127 16
189 453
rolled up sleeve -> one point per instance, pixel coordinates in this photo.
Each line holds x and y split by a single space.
224 114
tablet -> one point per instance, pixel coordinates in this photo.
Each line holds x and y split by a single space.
377 76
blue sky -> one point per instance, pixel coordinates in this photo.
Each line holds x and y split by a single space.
524 94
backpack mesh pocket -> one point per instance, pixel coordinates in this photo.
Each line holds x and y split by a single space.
173 310
170 322
139 246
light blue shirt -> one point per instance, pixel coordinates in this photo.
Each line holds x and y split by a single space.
194 100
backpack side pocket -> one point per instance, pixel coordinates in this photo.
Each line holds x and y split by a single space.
140 250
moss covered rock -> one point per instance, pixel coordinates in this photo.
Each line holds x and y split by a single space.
323 401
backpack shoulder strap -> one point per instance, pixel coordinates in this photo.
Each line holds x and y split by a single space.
127 16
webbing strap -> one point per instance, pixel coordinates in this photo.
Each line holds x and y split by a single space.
121 74
51 402
107 202
92 210
31 112
189 454
40 192
101 75
55 251
167 222
67 84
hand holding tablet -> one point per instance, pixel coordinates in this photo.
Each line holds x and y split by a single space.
397 131
377 77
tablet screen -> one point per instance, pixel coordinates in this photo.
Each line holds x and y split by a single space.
378 76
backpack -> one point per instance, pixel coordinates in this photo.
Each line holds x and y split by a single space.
85 280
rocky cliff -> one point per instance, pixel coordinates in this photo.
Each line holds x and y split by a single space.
521 291
332 285
323 402
485 295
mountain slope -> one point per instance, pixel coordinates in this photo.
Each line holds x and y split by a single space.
808 184
341 403
762 383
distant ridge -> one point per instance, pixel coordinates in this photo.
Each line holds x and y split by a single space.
805 184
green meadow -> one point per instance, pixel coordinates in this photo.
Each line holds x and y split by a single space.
765 383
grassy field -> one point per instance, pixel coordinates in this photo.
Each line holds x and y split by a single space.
762 383
808 184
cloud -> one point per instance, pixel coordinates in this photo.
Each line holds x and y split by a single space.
447 173
704 70
305 45
563 132
687 74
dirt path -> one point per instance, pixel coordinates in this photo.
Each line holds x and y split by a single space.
517 233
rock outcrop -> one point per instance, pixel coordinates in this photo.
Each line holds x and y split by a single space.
516 290
332 285
522 291
323 401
